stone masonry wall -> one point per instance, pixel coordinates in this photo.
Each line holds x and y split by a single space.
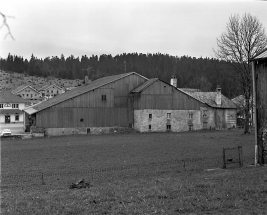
180 120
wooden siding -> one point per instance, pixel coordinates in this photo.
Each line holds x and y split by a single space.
261 92
162 96
116 110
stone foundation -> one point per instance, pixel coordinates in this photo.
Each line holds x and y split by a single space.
85 130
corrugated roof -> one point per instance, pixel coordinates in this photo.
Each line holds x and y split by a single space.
80 90
8 97
209 98
261 55
144 85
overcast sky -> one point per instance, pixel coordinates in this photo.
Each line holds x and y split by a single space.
79 27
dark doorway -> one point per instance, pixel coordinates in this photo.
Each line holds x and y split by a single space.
7 119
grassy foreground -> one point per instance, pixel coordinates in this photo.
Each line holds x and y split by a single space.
165 191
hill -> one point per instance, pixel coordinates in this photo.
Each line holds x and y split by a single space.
12 80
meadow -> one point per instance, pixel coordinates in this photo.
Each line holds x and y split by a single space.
131 173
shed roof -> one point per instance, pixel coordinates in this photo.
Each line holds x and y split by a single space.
79 90
144 85
8 97
260 56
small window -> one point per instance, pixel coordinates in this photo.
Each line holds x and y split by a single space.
205 125
168 115
15 105
149 127
17 117
81 120
190 115
1 106
168 127
31 95
150 116
104 97
191 128
204 113
27 95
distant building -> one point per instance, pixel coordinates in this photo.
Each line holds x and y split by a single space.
27 92
11 114
49 91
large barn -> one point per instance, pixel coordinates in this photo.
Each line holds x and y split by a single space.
259 74
130 100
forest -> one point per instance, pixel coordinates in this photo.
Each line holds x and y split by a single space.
200 73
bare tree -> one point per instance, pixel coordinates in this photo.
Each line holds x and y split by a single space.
5 24
243 39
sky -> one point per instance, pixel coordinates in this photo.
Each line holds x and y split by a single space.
47 28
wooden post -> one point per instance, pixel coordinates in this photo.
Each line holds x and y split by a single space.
224 163
255 113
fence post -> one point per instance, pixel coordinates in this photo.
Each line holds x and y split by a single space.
42 178
224 163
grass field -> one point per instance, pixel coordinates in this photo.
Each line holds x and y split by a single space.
155 173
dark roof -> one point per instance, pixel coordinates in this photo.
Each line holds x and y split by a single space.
261 55
209 98
8 97
144 85
80 90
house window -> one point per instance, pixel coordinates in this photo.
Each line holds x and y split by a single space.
204 113
17 117
205 125
57 91
104 97
168 115
149 127
190 127
150 116
1 106
48 91
27 95
190 115
168 127
7 118
15 105
31 95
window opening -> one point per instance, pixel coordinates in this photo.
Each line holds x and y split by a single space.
104 97
168 115
149 127
190 115
168 127
17 117
150 116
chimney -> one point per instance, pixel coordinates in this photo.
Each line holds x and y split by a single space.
174 81
218 96
86 81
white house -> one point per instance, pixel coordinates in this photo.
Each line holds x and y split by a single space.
27 92
51 90
11 114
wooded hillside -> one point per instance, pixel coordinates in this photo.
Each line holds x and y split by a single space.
201 73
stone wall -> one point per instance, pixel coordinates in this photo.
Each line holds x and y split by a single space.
180 120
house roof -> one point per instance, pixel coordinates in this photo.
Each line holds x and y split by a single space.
8 97
47 86
260 56
79 90
20 88
209 98
144 85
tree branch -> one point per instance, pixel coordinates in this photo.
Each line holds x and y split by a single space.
5 24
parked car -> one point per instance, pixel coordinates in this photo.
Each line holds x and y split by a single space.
6 132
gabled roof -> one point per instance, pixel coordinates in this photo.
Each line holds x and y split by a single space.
261 55
80 90
6 96
47 86
209 98
20 88
144 85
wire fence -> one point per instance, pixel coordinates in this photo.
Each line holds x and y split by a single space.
98 175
